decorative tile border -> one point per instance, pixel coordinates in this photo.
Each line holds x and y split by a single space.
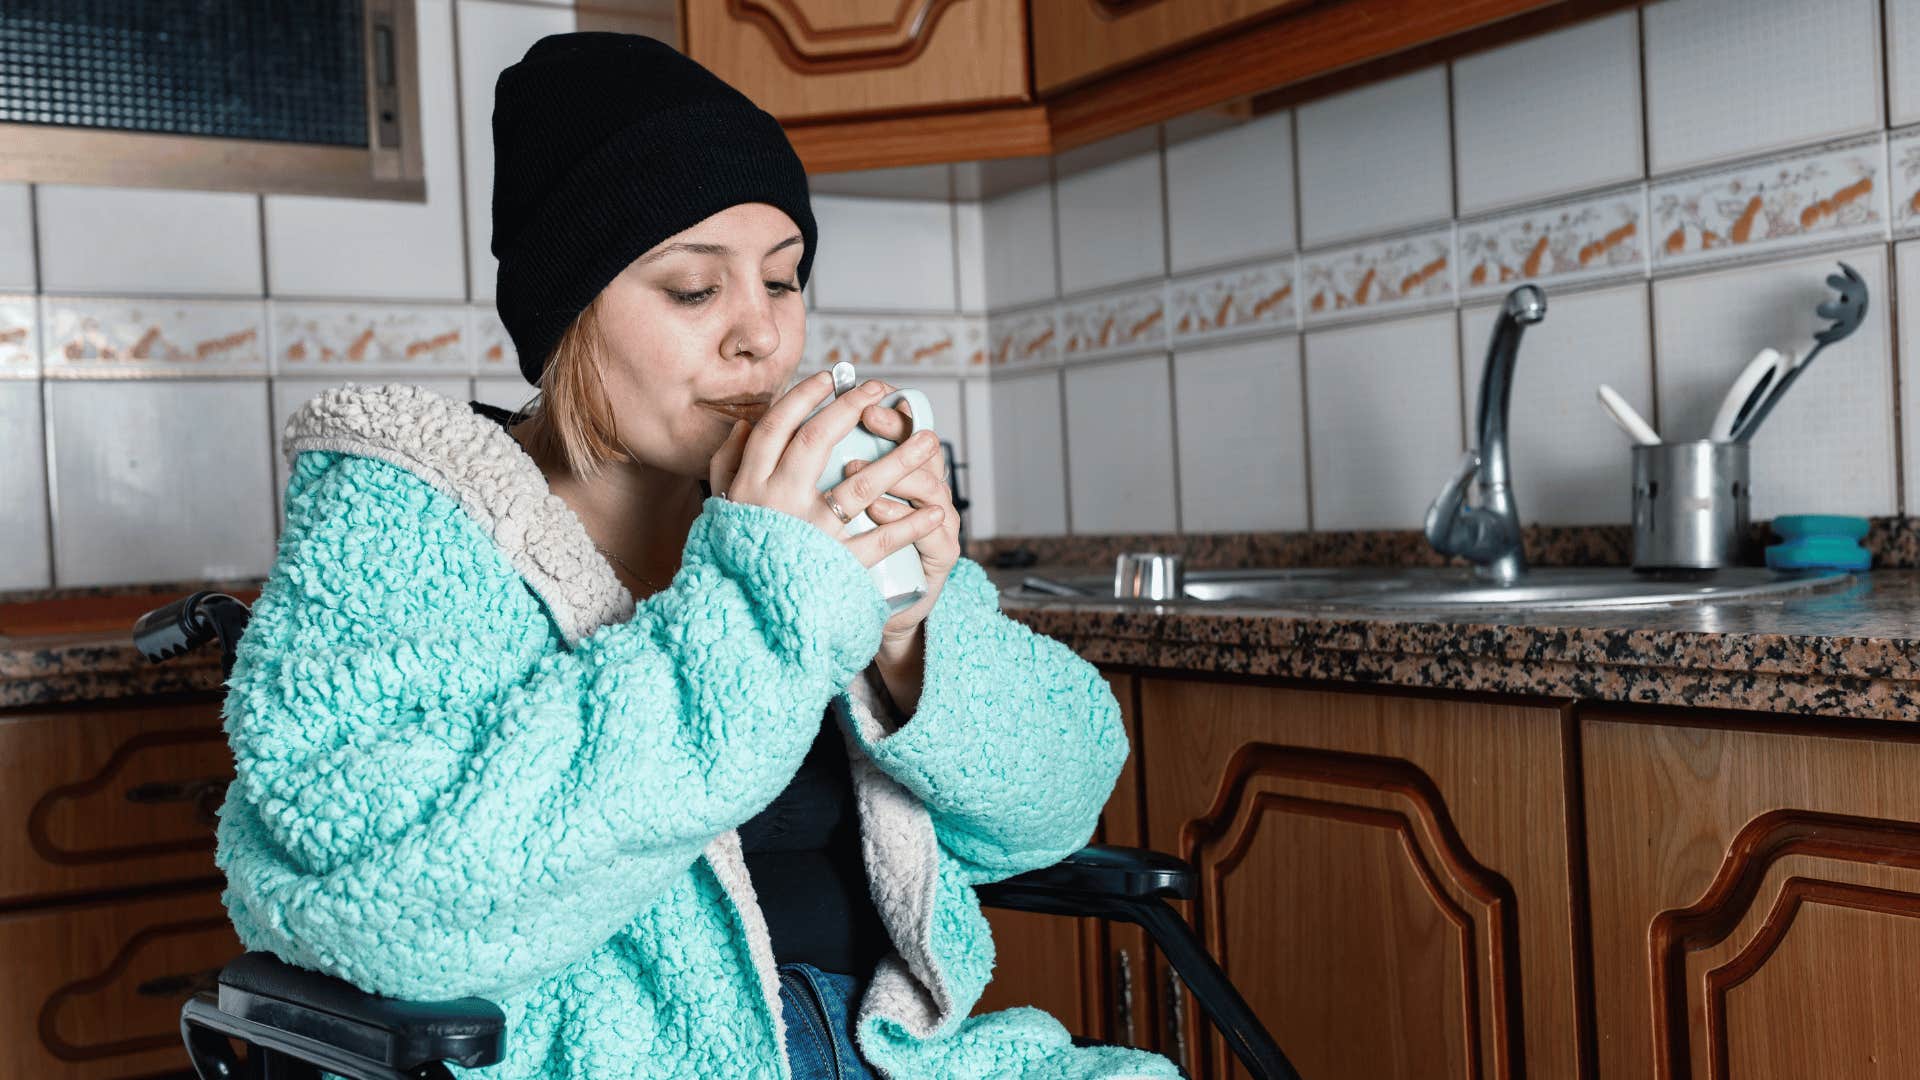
1398 274
1025 337
1596 237
494 356
113 338
343 340
1821 195
19 329
1903 179
1228 303
1115 324
946 345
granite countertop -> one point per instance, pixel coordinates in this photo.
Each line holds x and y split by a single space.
1848 652
1851 652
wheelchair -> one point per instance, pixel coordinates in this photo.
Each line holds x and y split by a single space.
295 1023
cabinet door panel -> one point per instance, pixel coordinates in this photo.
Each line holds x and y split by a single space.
1756 900
1074 40
1385 878
95 991
108 798
809 59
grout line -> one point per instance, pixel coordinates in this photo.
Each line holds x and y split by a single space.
1653 358
1299 213
266 271
1453 150
1166 304
40 373
53 495
953 232
1467 433
1884 62
1060 376
1894 352
33 241
1306 430
1173 429
1646 113
460 157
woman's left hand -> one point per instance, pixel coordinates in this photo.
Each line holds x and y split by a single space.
925 486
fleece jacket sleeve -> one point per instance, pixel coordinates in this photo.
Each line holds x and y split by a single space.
1015 743
435 798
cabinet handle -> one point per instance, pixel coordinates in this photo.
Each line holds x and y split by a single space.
1123 1001
178 986
1177 1020
206 794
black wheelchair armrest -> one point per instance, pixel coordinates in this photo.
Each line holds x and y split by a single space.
300 1009
1132 885
1107 870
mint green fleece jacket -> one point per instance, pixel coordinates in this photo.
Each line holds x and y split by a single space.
469 764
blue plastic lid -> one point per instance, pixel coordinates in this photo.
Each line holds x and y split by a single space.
1795 526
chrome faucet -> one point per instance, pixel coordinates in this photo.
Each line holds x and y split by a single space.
1489 535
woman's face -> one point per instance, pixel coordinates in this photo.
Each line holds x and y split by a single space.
702 330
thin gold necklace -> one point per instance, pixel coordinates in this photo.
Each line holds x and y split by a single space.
644 579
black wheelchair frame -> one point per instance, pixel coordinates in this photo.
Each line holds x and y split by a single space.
297 1022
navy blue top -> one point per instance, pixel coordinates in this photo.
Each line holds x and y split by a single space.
803 853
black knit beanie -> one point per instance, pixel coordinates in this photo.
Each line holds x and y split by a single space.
604 145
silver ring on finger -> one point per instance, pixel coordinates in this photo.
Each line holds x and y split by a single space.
845 518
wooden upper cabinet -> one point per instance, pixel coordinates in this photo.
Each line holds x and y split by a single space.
1074 40
819 59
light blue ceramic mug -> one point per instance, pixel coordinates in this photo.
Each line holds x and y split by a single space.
898 576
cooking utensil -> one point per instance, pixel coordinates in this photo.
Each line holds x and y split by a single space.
1623 414
1847 313
1747 391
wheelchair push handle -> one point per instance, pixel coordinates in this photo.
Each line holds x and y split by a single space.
190 622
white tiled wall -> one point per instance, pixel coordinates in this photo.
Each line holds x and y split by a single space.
1120 426
1571 464
1110 223
1242 447
1829 446
1680 213
1549 115
1375 160
1381 419
1728 78
363 248
1225 324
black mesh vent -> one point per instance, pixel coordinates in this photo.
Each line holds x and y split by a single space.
285 71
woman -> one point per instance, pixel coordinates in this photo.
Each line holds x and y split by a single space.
597 713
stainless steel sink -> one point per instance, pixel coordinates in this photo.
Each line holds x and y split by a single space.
1451 588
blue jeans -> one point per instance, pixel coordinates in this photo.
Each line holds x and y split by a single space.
818 1008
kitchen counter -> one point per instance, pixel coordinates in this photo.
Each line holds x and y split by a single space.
1852 652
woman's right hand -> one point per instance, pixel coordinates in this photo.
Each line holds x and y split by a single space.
777 463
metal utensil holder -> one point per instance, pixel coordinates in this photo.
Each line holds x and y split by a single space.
1689 505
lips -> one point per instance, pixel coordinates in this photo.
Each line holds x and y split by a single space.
750 411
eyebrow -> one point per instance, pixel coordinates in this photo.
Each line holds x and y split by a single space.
713 249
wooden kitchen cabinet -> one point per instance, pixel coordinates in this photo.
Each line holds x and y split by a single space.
867 84
108 798
809 59
1074 40
110 913
1755 893
1387 879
